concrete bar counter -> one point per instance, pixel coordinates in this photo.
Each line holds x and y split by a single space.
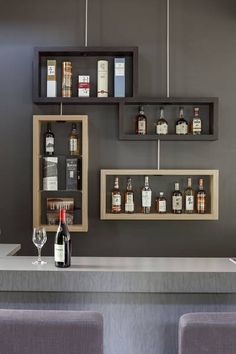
141 299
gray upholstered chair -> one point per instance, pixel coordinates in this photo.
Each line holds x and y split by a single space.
207 333
50 332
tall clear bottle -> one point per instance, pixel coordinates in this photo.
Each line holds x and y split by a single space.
146 197
129 197
189 196
62 245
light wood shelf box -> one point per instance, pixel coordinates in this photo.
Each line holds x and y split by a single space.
38 121
213 196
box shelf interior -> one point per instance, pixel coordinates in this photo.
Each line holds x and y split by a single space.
129 110
158 183
84 62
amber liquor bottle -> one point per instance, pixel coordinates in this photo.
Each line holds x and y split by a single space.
146 197
49 141
201 198
177 200
196 123
116 197
162 125
181 124
141 122
129 197
189 198
161 204
74 141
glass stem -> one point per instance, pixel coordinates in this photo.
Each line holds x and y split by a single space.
39 255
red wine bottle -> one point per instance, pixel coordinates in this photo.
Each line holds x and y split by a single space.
62 246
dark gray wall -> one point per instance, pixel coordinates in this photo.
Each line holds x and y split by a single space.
203 50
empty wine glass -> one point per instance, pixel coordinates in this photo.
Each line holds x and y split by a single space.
39 239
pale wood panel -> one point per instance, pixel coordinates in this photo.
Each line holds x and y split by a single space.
37 120
214 195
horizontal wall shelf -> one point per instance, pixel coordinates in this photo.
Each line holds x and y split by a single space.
159 180
128 110
84 62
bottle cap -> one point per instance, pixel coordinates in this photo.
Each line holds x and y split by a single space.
176 186
189 181
63 214
161 194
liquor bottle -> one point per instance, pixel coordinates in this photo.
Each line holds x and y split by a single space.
177 200
74 141
161 125
189 198
102 78
66 79
146 197
141 122
49 141
196 123
181 127
62 245
116 197
129 197
161 204
201 198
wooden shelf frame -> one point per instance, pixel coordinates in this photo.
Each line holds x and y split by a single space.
212 102
37 122
214 194
70 52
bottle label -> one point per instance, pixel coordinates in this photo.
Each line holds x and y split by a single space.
49 144
129 204
182 128
142 127
197 125
146 199
162 206
189 202
177 202
201 204
162 129
116 200
73 144
59 253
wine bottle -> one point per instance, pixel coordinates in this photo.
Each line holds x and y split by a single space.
62 245
49 141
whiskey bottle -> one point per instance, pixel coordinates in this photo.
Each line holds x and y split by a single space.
129 197
177 200
181 124
116 197
141 122
201 198
146 197
74 141
161 125
49 141
196 123
189 198
161 204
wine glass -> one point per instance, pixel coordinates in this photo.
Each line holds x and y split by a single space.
39 239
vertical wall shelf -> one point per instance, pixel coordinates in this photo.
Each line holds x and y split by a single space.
61 125
84 62
160 180
128 110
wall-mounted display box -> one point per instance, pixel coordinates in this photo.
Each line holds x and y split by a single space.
60 179
159 181
129 108
84 62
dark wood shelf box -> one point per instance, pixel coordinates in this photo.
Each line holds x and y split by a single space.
128 109
84 62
